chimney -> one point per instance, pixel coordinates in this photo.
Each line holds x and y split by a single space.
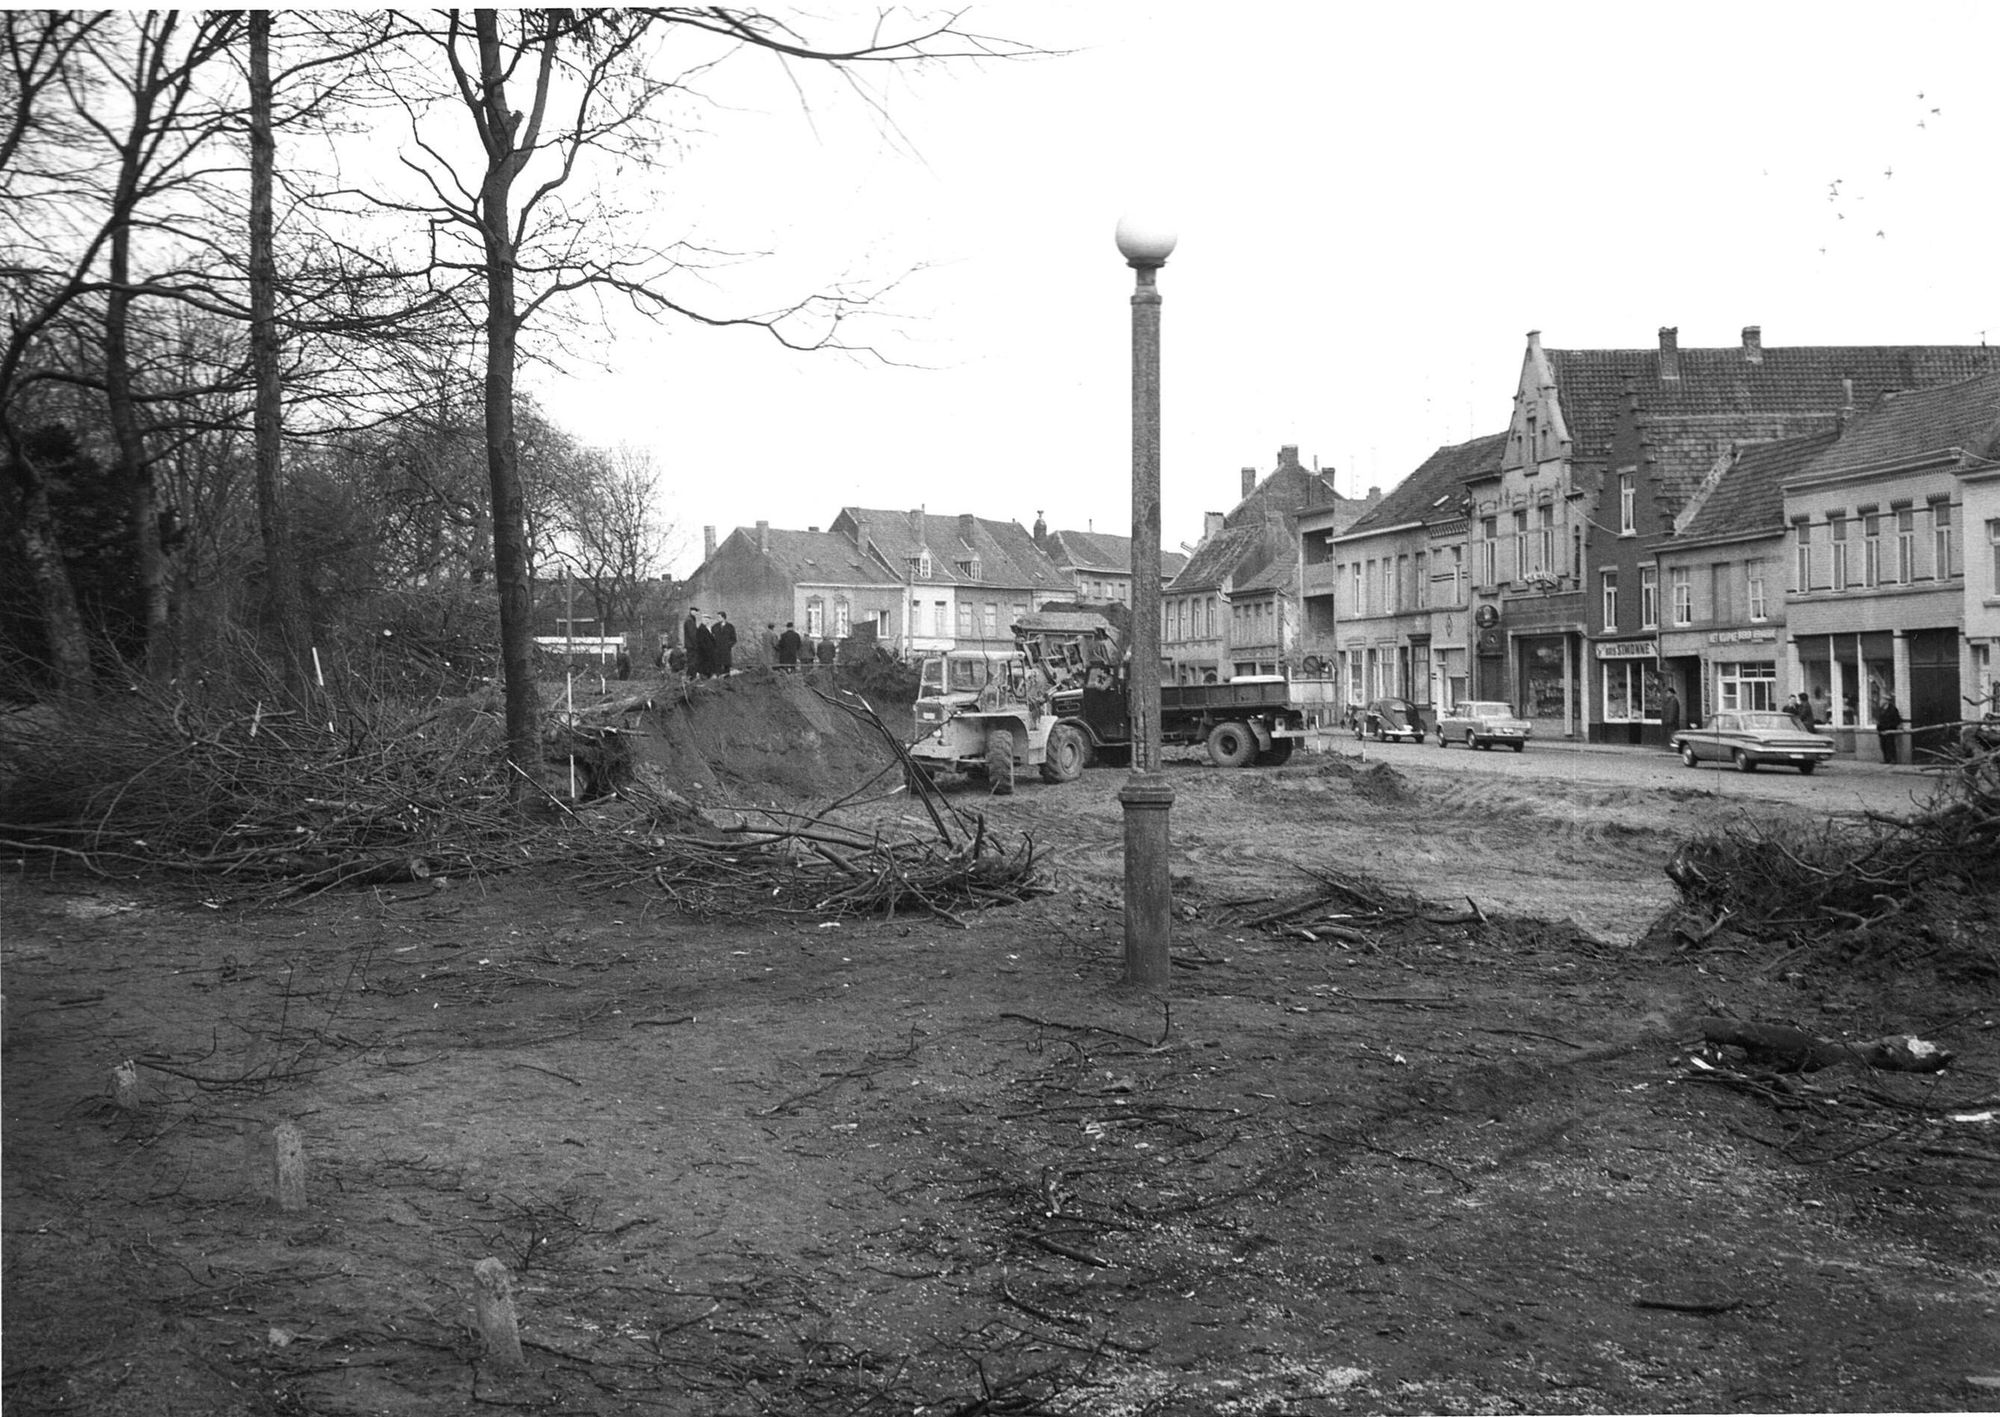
1670 352
1288 455
917 525
1041 531
708 543
1249 480
1753 344
1211 523
763 538
965 527
1846 403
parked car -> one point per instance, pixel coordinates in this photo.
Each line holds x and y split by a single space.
1390 718
1481 723
1750 739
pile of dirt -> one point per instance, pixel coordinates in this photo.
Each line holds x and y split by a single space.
1376 782
758 735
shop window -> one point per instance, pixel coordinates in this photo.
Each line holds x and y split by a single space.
1750 685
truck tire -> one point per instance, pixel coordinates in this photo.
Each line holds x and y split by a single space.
1231 745
1279 753
1000 762
1065 755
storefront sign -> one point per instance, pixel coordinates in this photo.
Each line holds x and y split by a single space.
1629 649
1761 634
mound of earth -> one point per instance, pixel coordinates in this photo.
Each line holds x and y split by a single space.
758 735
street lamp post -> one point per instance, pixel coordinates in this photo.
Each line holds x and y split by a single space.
1146 796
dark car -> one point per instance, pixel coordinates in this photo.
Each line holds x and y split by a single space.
1390 719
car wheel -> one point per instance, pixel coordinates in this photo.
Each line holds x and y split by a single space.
1519 747
1062 758
1443 742
1000 762
1806 769
1743 761
1231 745
1688 755
1470 741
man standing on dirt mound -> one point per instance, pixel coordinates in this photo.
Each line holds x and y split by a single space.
789 645
690 642
701 659
725 643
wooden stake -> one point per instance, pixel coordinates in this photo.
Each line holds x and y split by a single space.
493 1304
125 1087
290 1166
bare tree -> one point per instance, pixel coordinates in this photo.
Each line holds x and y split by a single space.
614 534
551 96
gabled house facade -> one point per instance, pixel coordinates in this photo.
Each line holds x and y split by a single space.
817 580
964 580
1605 448
1237 606
1098 565
1722 621
1399 585
1882 604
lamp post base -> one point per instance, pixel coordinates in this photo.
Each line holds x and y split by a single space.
1149 900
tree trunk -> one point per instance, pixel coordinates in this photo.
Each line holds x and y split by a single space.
503 450
284 605
41 551
135 473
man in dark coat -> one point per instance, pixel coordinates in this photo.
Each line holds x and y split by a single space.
1670 717
827 649
725 643
1888 719
702 661
789 644
690 634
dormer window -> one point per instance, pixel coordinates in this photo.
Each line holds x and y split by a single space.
924 566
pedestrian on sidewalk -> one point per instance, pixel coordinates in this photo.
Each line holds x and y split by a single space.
1670 717
1888 722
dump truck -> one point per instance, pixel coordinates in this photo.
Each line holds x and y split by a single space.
1056 703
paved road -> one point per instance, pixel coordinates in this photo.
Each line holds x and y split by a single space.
1842 785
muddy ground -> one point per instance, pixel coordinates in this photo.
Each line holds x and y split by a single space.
1450 1153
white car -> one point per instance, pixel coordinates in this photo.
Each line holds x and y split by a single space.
1481 723
1751 738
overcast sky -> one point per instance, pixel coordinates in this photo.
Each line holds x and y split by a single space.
1375 202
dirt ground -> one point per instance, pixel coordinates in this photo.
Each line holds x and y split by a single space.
1455 1151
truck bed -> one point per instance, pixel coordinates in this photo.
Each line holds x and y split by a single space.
1263 691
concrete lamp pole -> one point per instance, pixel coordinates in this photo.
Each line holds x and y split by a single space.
1146 796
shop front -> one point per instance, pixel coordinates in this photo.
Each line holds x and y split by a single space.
1630 690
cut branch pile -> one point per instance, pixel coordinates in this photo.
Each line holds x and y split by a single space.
276 805
1343 909
1865 878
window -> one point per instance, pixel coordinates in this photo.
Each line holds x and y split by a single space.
1836 526
1759 610
1423 580
1941 541
1458 575
1545 553
1403 585
965 619
1649 597
842 624
1801 556
1871 549
1993 540
1354 593
1719 609
815 616
1906 546
964 568
1520 544
1683 598
1608 580
940 618
992 620
1389 599
916 617
1489 554
1367 589
1628 505
1751 685
924 566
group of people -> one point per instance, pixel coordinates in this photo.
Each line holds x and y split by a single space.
708 646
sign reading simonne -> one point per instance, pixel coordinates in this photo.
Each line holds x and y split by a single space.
1629 649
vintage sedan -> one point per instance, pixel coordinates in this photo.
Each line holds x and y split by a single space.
1481 723
1751 738
1390 718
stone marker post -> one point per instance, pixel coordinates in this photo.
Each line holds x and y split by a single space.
289 1166
125 1086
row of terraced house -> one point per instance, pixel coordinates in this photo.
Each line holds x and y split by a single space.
1735 524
